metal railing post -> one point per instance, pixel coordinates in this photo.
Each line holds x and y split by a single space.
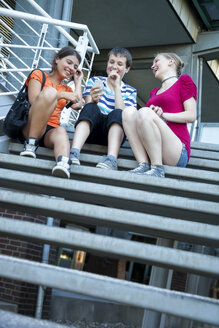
40 44
41 289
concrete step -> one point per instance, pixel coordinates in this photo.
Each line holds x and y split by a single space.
31 181
204 146
114 247
189 306
12 320
124 163
117 197
92 215
119 178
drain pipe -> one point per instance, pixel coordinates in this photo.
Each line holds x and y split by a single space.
199 102
66 16
41 289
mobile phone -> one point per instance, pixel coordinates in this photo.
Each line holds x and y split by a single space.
99 83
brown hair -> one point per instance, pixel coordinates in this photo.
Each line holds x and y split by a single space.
64 52
122 52
178 61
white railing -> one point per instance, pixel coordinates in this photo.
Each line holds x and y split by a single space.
28 45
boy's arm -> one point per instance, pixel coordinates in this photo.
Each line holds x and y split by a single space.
119 102
115 82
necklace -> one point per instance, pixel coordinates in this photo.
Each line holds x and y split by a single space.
171 77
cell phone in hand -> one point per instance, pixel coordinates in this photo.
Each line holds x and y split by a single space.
99 83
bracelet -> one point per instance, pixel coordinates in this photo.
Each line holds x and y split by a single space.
163 118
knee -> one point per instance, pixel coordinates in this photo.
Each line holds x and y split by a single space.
145 115
49 96
129 115
90 109
61 133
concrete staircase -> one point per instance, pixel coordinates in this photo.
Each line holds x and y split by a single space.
182 207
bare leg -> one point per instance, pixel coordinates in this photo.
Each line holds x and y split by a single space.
58 139
115 137
129 119
40 112
81 134
161 144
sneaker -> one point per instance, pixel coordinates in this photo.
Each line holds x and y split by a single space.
30 147
62 167
109 163
156 171
74 158
141 168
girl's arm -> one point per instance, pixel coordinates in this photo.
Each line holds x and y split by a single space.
188 116
78 77
34 89
76 96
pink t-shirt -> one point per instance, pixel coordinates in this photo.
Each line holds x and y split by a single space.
171 101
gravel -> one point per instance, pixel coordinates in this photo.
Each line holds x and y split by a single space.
85 324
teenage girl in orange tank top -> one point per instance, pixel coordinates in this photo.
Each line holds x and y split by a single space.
43 125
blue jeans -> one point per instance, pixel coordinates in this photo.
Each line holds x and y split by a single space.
183 160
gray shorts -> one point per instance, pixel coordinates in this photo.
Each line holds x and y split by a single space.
183 161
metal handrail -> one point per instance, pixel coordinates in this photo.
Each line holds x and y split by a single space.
13 75
57 22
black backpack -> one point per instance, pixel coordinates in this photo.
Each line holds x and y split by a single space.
17 116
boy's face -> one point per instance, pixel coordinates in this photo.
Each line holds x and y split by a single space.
118 64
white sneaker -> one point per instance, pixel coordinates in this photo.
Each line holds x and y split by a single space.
30 147
74 157
109 162
62 167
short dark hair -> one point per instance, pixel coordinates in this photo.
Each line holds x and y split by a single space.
122 52
64 52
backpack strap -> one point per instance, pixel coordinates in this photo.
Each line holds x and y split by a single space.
44 79
43 82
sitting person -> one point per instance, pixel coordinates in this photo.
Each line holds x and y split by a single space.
43 125
100 121
158 133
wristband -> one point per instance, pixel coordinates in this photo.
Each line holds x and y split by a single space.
163 118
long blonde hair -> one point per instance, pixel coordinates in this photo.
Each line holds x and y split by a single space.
178 61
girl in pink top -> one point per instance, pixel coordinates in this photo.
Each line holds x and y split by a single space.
158 133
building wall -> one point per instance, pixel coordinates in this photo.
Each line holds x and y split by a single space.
210 96
24 295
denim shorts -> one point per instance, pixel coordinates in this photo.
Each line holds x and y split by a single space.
183 161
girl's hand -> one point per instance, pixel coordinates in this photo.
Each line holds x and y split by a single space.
69 96
78 76
159 111
74 98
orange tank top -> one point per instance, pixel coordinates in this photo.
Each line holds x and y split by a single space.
54 119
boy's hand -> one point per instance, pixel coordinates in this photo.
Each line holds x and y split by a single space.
114 79
96 93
